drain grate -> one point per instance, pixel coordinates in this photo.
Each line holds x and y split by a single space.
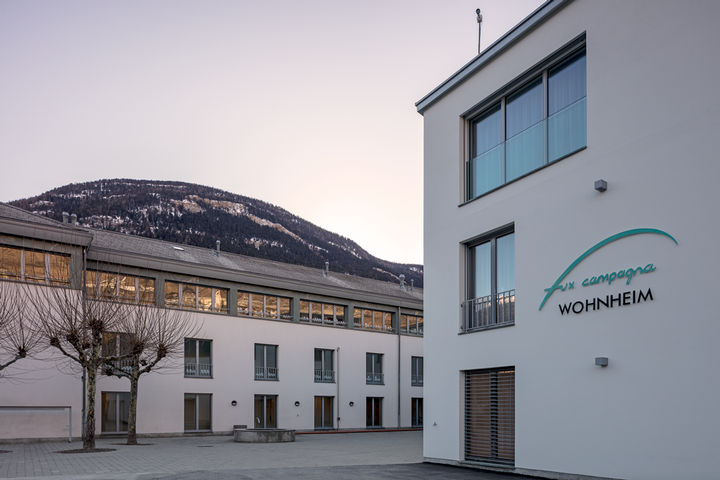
205 446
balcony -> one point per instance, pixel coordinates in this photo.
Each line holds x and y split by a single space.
550 139
198 370
374 379
266 373
324 376
488 312
416 380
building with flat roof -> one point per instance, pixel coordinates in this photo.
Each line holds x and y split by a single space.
570 237
280 346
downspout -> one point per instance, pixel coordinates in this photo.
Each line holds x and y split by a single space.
84 373
337 385
397 325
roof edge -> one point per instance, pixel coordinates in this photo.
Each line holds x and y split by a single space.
528 24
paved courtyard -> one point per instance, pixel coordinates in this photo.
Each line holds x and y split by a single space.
334 456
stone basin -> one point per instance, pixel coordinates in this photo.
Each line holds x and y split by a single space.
263 435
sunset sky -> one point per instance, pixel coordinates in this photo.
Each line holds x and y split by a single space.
307 105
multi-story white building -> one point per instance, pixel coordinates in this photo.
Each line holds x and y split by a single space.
280 345
570 246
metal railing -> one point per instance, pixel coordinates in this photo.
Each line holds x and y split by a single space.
266 373
374 378
193 369
416 380
324 376
487 312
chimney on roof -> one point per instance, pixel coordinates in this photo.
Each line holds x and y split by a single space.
479 20
326 270
412 284
217 247
402 281
73 218
66 217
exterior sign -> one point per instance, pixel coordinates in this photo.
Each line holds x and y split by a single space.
624 274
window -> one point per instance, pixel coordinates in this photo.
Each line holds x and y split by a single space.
324 369
266 362
198 412
373 369
115 412
372 319
195 297
324 412
322 313
411 324
373 412
538 123
264 306
34 266
416 377
417 412
198 358
491 283
120 287
265 411
118 345
490 415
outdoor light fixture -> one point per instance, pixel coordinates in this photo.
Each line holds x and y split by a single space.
352 404
600 185
234 403
601 361
297 404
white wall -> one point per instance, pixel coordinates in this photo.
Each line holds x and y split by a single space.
652 114
160 401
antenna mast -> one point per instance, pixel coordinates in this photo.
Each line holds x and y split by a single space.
479 20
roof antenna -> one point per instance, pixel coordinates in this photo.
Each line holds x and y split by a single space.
479 20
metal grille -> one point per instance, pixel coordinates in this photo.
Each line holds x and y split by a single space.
482 312
490 415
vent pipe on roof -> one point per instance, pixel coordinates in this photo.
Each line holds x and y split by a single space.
479 20
217 247
402 281
326 271
66 217
73 218
412 284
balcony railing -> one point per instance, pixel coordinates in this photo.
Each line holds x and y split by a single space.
487 312
416 380
124 365
324 376
194 369
374 379
266 373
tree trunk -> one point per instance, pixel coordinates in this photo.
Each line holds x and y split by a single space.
132 420
89 441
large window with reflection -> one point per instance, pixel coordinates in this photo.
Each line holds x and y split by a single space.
120 287
537 123
491 282
196 297
34 266
264 306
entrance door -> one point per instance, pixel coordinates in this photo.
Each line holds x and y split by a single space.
324 412
115 412
265 411
373 412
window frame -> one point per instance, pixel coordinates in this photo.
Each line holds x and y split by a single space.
417 379
499 97
197 411
48 279
264 374
320 375
492 237
196 286
373 377
196 364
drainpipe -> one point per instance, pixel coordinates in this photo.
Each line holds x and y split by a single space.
397 326
84 373
337 385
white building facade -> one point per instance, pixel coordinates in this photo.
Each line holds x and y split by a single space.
570 232
279 346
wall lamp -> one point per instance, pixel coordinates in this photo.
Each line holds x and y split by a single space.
600 185
297 403
352 404
601 361
234 403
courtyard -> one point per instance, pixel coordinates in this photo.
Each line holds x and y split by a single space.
326 456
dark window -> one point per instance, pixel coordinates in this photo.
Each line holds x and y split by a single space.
198 409
373 369
416 379
266 362
198 358
417 412
324 367
373 412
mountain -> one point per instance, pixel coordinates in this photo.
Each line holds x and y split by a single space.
198 215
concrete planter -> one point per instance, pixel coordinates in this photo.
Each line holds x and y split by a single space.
265 435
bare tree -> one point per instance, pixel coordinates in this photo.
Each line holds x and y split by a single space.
18 337
153 336
75 325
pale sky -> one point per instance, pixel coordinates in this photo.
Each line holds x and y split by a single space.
308 105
